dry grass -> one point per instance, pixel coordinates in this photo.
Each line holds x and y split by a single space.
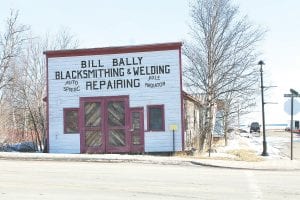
245 155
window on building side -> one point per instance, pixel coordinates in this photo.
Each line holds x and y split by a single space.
71 120
156 121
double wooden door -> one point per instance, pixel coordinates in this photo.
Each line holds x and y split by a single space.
106 126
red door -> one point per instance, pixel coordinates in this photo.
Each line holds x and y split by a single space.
92 135
118 138
137 130
104 124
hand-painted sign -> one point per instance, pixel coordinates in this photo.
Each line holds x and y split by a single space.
113 73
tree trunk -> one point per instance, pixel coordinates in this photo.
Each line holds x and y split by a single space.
36 130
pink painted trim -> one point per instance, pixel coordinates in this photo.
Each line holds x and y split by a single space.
65 117
162 107
114 50
182 105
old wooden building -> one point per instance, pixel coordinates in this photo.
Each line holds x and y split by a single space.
115 99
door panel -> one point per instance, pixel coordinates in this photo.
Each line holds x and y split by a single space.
116 114
91 134
92 114
92 124
117 138
137 130
93 138
118 135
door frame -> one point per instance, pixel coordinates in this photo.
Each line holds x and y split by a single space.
105 148
138 148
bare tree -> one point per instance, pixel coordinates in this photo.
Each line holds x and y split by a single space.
221 55
63 39
12 40
23 108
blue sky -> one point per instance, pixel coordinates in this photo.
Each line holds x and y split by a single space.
99 23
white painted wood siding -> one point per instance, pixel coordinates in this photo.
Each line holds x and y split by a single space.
169 95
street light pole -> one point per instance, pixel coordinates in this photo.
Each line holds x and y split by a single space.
264 153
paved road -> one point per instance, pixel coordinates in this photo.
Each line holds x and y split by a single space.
81 180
